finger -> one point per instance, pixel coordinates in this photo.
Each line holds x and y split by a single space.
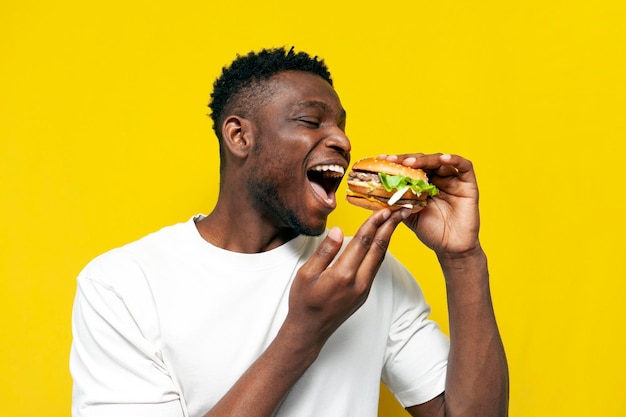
418 160
455 165
398 158
380 244
363 239
455 177
324 255
439 164
460 164
368 247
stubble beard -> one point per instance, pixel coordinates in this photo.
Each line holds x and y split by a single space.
269 202
263 183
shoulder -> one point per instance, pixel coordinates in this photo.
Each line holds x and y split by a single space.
118 265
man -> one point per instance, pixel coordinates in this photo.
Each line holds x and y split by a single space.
257 310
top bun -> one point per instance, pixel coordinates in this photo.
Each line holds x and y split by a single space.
387 167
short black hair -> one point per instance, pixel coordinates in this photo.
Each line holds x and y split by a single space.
237 88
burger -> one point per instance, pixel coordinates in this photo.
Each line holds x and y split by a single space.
375 183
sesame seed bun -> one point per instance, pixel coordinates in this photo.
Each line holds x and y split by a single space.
366 190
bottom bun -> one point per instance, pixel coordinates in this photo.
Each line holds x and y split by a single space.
373 204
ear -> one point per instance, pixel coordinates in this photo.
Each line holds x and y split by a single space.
237 135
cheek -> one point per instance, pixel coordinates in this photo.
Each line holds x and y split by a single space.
269 178
278 163
268 169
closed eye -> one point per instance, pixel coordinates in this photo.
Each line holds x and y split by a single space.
309 122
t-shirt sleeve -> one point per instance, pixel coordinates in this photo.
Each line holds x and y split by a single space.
116 364
416 356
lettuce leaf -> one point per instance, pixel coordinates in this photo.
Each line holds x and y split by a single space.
399 182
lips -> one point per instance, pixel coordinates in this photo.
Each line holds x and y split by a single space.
325 179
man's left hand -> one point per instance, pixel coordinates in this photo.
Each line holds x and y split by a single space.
450 222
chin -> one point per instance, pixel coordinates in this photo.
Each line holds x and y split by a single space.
311 230
306 227
288 215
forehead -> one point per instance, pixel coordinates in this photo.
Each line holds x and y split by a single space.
297 89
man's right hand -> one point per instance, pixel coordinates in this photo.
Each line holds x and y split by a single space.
322 295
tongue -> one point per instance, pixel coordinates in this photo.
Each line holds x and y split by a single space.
319 190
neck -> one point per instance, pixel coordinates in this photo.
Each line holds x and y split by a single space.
235 231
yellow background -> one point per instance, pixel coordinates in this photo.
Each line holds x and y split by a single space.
104 138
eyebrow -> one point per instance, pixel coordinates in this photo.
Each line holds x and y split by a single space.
320 104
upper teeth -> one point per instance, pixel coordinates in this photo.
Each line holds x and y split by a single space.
334 168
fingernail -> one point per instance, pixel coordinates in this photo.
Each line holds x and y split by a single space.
405 213
335 234
409 160
446 156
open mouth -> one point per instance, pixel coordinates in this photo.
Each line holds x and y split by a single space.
325 180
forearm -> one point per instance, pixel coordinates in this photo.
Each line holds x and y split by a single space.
477 382
261 389
321 298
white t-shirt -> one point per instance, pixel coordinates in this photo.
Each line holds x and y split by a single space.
164 327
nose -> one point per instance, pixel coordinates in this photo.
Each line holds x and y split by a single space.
339 141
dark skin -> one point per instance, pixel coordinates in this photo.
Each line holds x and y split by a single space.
477 381
303 126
